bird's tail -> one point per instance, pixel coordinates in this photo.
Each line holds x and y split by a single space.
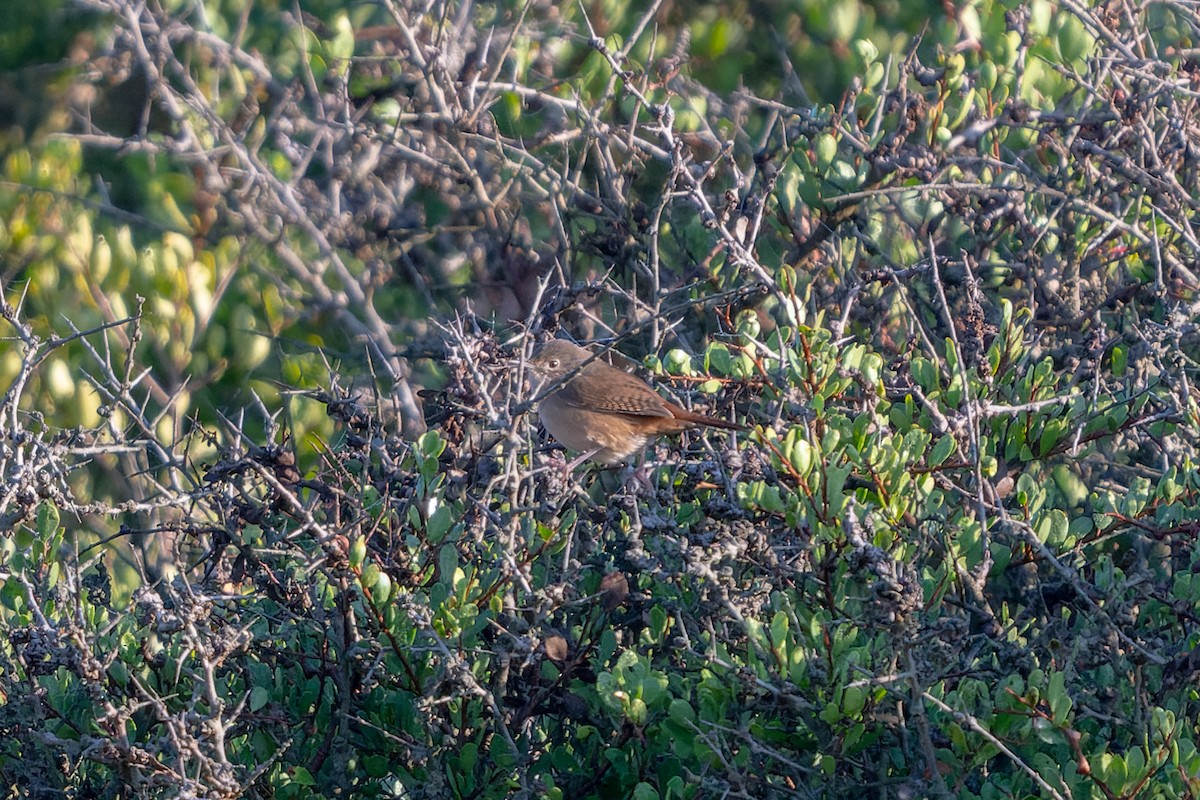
692 417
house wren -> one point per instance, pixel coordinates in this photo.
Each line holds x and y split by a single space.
604 412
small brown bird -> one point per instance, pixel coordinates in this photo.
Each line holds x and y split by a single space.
604 412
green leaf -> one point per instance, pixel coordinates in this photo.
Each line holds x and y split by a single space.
430 445
854 698
653 687
678 362
681 711
468 756
925 373
1051 435
1052 527
259 697
381 589
942 450
439 525
358 552
718 359
788 186
779 632
826 150
801 453
447 562
1135 763
1073 489
1057 698
47 521
341 46
644 791
1120 361
303 777
658 623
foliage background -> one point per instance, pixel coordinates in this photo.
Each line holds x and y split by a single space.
276 521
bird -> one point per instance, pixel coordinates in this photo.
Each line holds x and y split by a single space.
603 412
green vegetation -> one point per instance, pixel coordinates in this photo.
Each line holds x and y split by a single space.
275 519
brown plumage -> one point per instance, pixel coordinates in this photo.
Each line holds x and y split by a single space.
603 412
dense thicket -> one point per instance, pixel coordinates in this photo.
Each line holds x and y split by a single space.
275 518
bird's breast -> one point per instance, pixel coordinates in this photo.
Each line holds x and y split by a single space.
615 436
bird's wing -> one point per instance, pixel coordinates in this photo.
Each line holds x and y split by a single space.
601 387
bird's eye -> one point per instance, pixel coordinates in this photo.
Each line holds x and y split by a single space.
553 363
